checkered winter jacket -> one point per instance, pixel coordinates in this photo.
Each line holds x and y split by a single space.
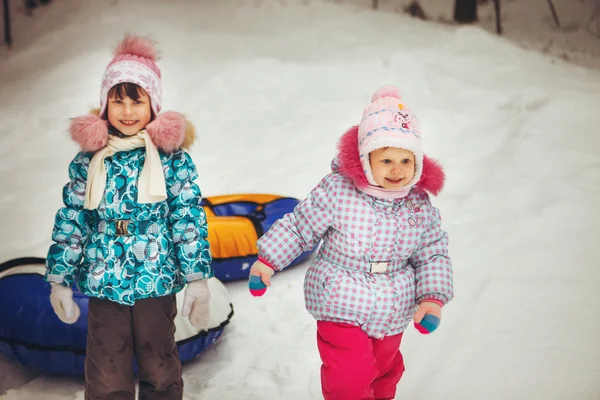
379 258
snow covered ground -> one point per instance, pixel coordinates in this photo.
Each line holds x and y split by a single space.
516 131
528 23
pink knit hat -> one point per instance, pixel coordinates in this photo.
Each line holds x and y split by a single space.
134 62
387 122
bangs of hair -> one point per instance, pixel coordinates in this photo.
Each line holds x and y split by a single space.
122 90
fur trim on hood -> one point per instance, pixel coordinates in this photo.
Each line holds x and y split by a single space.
169 131
348 164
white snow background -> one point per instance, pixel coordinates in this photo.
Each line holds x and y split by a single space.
271 86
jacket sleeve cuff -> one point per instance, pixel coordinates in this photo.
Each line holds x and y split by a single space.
267 263
196 277
51 278
432 300
59 279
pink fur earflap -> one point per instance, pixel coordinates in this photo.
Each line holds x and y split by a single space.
90 132
349 157
167 131
432 177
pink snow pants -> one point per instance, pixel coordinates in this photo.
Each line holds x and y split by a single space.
356 366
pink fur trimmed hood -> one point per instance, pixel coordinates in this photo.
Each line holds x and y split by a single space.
348 164
169 131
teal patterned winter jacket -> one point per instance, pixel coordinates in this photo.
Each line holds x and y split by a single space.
124 251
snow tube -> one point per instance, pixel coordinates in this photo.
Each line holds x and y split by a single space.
32 335
235 222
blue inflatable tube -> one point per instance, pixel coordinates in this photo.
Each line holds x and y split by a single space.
235 222
32 335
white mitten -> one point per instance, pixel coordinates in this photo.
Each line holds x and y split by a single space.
65 308
196 303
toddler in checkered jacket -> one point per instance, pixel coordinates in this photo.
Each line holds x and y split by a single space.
384 258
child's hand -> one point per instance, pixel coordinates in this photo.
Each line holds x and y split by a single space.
427 307
427 317
196 304
63 304
260 278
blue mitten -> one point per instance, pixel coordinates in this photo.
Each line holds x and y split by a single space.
260 278
428 324
256 286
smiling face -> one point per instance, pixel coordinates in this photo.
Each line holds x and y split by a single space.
129 108
392 167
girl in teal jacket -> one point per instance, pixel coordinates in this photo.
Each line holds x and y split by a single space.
132 233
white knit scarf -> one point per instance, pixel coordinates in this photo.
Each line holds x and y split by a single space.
151 182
